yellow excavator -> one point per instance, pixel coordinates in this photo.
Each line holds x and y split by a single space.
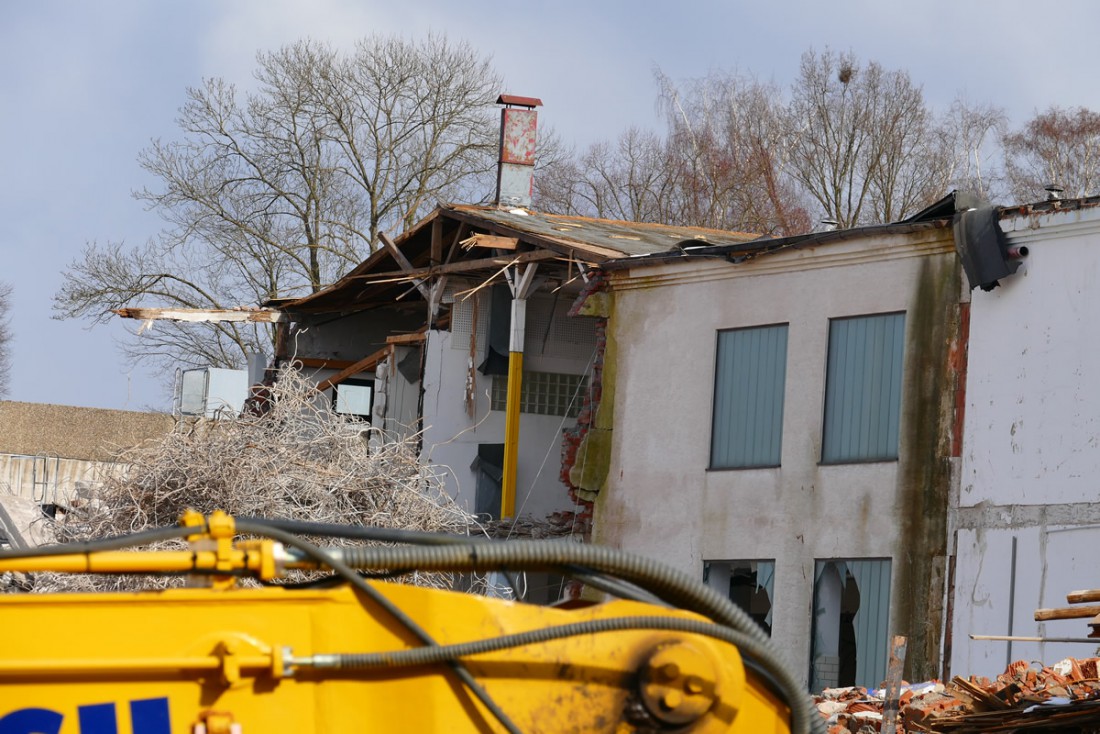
349 650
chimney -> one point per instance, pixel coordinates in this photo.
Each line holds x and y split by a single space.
1054 191
518 128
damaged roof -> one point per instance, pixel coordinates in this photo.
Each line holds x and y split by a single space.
446 243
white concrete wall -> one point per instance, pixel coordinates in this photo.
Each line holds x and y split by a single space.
1031 455
451 436
662 501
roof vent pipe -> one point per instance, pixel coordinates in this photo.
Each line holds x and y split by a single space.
1054 191
518 127
827 225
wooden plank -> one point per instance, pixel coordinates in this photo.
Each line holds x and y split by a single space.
437 242
414 338
361 366
205 315
403 262
489 240
498 261
892 698
1085 595
1079 612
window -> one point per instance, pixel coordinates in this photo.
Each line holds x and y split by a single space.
749 378
863 389
488 468
353 398
850 623
545 393
748 584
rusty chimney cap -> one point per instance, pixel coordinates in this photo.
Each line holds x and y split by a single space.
511 99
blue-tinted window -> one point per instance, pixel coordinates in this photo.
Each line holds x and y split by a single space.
863 388
750 374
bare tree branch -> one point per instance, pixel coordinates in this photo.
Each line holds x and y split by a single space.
278 192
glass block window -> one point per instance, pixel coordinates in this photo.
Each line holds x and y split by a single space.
544 393
749 378
863 388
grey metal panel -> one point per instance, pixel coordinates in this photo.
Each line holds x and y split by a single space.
750 376
872 620
863 388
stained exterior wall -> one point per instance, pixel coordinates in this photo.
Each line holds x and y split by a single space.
663 329
1028 517
451 436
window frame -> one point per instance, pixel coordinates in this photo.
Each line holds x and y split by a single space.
354 382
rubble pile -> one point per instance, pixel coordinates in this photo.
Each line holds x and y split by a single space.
1064 697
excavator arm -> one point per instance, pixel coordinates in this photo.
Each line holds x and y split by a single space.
347 653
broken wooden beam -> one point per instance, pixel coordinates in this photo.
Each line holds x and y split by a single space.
1078 612
361 366
491 240
403 263
206 315
462 266
1083 596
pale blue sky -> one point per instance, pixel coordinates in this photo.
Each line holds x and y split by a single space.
84 86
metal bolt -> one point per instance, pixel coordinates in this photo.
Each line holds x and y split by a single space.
669 671
693 685
672 700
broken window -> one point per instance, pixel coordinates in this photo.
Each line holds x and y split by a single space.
354 398
851 617
747 583
863 388
488 468
749 378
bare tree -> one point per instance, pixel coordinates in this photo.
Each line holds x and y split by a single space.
278 191
864 145
1059 146
5 337
719 165
728 148
973 133
627 180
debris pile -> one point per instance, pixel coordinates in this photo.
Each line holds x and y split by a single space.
297 461
1064 697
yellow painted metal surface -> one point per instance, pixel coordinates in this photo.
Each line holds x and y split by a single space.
159 662
511 434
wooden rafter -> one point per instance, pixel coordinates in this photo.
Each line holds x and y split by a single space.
200 315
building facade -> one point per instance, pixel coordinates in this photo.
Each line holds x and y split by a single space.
783 424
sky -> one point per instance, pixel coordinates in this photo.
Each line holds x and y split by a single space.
85 86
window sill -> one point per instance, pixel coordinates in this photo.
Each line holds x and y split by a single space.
850 462
742 468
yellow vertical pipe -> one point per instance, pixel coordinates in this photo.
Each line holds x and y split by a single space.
511 435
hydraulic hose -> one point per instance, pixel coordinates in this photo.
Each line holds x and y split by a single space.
331 560
668 584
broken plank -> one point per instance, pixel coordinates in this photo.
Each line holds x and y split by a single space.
204 315
403 262
1085 595
361 366
490 240
414 338
1078 612
462 266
